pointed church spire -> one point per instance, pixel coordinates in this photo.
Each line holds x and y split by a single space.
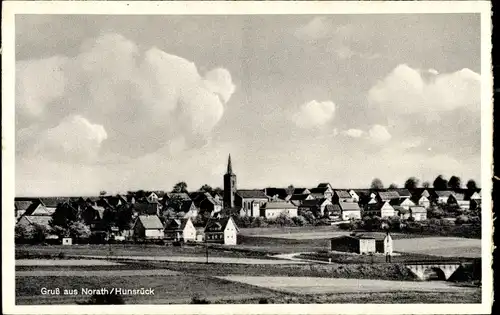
229 166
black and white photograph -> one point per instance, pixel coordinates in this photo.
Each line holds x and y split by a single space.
174 155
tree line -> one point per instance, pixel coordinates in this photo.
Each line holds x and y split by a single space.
440 183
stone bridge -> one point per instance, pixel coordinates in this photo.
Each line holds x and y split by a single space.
430 270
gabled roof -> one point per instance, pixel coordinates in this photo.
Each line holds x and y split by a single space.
218 225
297 191
176 224
278 205
377 206
318 190
458 196
252 194
335 208
22 205
99 210
417 209
150 221
342 194
398 202
280 192
388 195
378 236
443 193
313 202
299 197
39 220
186 206
53 202
324 185
36 208
402 192
349 206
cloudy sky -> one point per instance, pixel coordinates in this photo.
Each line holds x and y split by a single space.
141 102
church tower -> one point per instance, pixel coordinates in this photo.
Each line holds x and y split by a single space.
229 185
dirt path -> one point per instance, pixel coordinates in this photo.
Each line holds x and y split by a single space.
64 262
315 285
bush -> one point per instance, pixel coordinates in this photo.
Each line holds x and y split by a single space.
461 219
284 220
263 301
299 220
198 300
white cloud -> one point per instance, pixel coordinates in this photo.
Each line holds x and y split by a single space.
379 133
74 138
146 98
39 82
317 28
314 114
353 133
408 91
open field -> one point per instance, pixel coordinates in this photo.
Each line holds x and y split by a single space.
315 285
95 273
440 246
199 250
266 231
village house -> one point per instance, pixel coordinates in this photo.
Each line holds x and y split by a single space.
355 197
276 193
418 213
323 191
274 209
147 207
189 209
301 191
383 196
152 197
20 207
333 212
316 206
380 209
51 203
250 201
363 243
349 210
458 199
442 196
92 216
148 227
422 201
297 199
181 230
222 230
210 204
342 195
403 193
402 202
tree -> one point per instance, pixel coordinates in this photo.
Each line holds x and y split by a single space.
440 183
290 189
393 186
175 203
377 184
23 233
102 193
79 230
207 188
180 187
284 220
64 216
411 183
124 217
219 191
426 184
471 184
455 182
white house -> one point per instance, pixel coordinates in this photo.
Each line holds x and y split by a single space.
223 230
148 227
418 213
403 202
381 209
349 210
152 197
423 201
354 195
180 230
250 201
274 209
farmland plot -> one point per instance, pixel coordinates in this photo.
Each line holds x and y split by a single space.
440 246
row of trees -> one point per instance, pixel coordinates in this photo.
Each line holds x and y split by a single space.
440 183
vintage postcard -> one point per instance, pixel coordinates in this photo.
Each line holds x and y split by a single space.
247 157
